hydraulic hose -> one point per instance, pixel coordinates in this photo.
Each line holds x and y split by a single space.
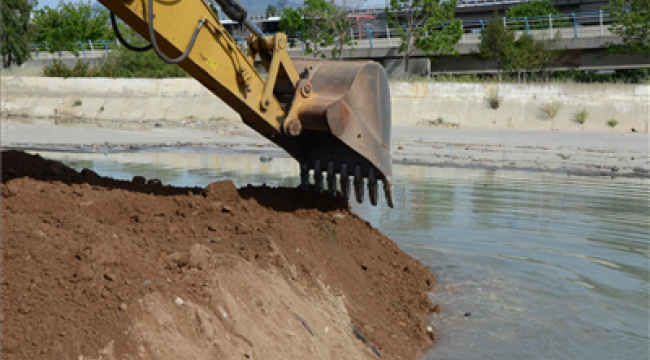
116 30
152 36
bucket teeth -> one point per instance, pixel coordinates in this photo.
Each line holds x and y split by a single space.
331 179
388 192
358 184
345 182
304 177
318 177
372 187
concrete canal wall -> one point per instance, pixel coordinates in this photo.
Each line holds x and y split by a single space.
144 103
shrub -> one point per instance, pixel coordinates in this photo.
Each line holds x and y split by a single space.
123 63
77 103
551 109
612 123
582 116
493 98
80 69
57 69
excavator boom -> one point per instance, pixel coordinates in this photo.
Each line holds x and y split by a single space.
333 117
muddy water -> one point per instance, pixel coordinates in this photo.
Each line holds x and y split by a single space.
529 265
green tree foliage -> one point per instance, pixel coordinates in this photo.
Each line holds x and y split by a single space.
336 21
500 46
61 28
304 23
81 69
497 44
271 11
531 9
535 9
551 55
121 63
426 25
632 23
525 56
15 31
213 7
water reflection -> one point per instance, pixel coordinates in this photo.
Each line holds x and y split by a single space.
546 266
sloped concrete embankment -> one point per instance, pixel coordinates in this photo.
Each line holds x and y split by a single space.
521 107
132 104
144 103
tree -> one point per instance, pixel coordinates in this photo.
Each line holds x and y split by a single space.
305 24
500 46
15 31
539 10
497 44
526 56
271 11
427 25
336 20
532 8
632 23
552 55
213 7
69 23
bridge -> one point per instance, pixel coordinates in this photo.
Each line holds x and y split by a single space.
585 35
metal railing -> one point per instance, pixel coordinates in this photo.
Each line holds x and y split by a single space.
87 48
567 26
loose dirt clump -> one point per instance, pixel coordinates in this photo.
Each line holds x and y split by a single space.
96 268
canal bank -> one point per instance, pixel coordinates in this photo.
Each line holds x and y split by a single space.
598 154
147 103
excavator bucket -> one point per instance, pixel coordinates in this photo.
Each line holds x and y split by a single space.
346 126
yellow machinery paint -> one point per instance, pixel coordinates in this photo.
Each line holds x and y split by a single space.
333 117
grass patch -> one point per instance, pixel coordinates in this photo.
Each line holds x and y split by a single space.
582 116
551 109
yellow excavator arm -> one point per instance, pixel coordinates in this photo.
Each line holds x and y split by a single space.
333 117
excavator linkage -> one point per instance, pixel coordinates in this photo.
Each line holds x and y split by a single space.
333 117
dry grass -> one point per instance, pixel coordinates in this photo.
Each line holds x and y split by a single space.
492 96
551 109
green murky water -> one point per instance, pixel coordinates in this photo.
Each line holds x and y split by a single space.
529 265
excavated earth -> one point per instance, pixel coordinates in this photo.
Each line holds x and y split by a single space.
96 268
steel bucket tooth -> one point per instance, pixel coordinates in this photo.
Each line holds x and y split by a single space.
345 124
358 184
331 179
304 177
372 187
318 178
344 182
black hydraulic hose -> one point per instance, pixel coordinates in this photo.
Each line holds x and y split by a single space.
124 42
152 36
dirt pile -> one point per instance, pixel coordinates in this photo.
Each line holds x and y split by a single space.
95 268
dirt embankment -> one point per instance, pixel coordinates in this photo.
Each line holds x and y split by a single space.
94 268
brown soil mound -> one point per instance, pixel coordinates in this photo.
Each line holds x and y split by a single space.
99 268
